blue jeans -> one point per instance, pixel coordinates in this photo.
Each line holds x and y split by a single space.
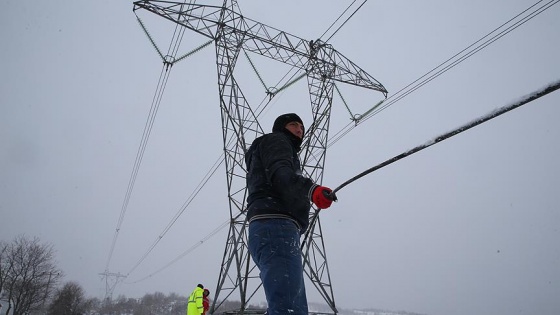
274 245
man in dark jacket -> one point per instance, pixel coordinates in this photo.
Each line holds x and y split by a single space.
278 206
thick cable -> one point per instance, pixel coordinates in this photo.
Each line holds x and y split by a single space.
495 113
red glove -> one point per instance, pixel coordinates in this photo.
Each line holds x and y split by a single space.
323 197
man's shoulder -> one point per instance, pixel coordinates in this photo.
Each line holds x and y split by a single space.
273 135
269 138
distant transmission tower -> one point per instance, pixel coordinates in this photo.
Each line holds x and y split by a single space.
323 65
111 281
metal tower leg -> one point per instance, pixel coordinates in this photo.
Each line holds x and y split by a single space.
314 254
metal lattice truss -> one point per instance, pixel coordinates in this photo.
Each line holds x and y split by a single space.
233 33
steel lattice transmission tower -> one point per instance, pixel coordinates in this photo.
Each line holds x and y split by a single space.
323 65
111 281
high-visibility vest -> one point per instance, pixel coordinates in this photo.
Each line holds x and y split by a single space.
194 305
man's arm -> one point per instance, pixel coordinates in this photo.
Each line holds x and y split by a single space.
276 153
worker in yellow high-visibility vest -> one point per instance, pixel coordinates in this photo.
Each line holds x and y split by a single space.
194 305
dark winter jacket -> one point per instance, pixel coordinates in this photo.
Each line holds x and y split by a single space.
275 183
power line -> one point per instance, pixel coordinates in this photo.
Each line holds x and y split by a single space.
189 200
449 63
188 251
345 21
469 53
156 102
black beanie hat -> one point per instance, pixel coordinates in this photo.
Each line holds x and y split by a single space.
282 120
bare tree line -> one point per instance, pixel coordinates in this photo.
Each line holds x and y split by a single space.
31 284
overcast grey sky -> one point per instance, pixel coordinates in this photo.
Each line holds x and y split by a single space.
468 226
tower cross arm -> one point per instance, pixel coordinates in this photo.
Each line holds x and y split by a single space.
346 71
316 57
203 19
313 56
